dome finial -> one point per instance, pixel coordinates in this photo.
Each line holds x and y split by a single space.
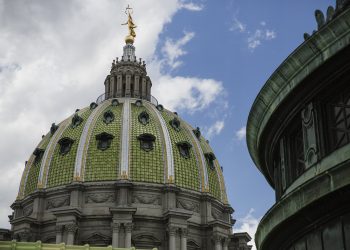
129 39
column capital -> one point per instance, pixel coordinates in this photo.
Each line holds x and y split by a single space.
115 226
71 228
217 238
184 232
129 227
59 228
172 230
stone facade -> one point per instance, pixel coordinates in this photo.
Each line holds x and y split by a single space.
125 214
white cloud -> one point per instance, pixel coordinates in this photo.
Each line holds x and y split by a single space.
191 6
238 25
214 129
248 224
241 133
255 39
174 49
54 57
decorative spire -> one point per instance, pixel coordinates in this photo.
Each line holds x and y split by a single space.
129 39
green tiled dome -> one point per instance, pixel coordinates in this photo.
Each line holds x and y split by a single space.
75 152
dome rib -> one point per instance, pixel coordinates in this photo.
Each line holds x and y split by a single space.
103 165
49 152
80 159
61 170
168 147
200 158
124 163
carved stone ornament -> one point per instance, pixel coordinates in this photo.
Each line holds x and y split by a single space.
143 118
93 105
216 214
108 117
53 128
172 230
115 102
28 210
98 239
59 228
129 227
115 227
65 145
188 205
58 202
76 120
100 198
104 140
175 124
71 228
150 199
319 19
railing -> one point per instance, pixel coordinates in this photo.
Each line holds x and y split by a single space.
106 96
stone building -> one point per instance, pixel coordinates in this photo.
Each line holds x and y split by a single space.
298 135
125 171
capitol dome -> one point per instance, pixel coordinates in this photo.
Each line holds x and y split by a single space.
125 171
124 139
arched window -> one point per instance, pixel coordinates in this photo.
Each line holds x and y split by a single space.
146 141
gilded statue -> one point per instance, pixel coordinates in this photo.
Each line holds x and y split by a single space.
131 26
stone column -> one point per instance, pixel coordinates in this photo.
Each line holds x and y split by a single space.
218 243
143 88
172 237
136 86
226 242
59 233
184 232
112 86
71 230
127 86
119 85
115 234
128 230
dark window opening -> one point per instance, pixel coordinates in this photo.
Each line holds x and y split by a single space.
108 117
210 157
38 152
76 120
175 124
104 140
184 149
65 145
146 141
143 118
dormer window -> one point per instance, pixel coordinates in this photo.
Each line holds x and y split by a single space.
65 145
146 141
93 105
108 117
160 107
138 103
184 149
104 140
197 133
175 124
76 120
210 157
115 102
38 152
143 118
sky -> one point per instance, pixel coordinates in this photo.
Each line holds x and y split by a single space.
207 61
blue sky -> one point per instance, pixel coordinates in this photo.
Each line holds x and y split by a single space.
207 60
223 49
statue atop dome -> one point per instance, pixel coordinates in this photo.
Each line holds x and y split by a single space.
131 37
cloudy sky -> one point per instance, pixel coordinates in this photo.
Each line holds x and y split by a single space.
207 60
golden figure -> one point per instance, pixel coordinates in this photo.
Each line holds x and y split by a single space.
130 38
